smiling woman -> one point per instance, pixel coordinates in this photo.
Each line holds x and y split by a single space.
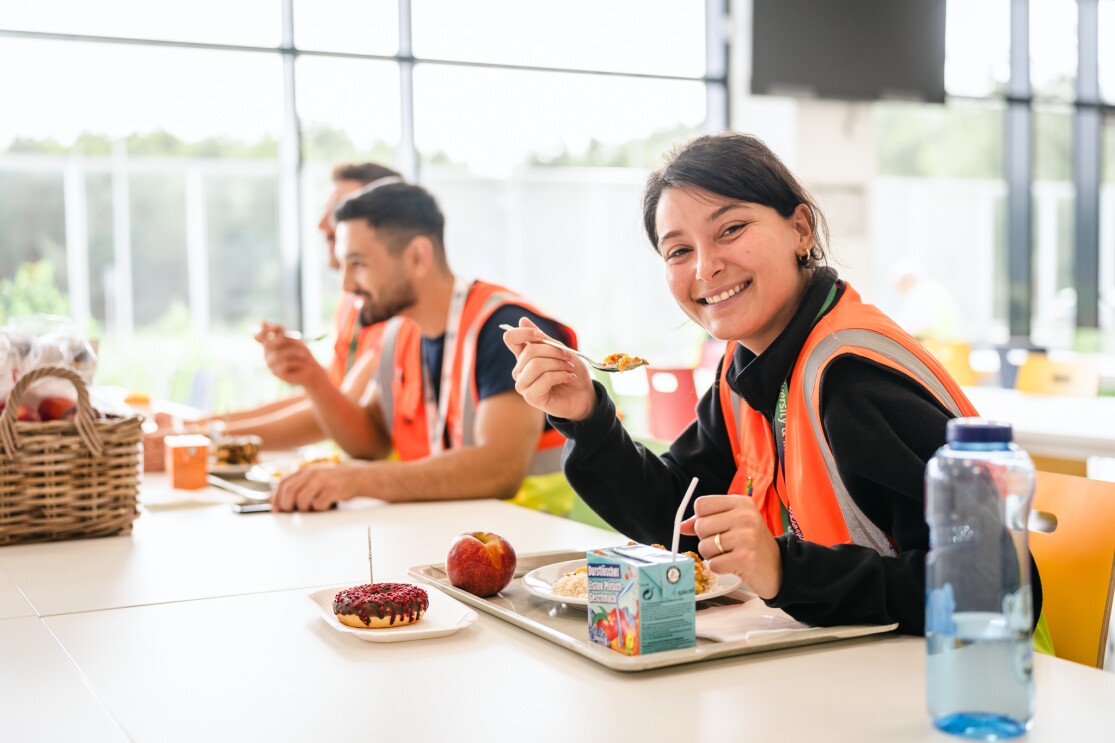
811 450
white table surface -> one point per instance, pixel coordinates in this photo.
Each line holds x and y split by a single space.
42 695
12 603
205 552
199 627
1065 427
267 667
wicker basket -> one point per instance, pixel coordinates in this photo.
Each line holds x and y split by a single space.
67 479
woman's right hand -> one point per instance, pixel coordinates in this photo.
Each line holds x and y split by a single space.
551 379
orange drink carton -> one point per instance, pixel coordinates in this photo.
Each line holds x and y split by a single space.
187 460
641 599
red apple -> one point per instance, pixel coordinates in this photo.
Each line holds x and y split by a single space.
56 408
22 413
480 562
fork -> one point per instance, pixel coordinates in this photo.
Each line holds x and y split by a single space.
590 361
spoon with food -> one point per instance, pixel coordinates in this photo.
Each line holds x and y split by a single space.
616 362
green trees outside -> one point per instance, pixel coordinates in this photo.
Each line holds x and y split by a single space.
31 291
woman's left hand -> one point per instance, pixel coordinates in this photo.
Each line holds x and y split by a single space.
735 539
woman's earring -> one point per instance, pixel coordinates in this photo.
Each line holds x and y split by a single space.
803 260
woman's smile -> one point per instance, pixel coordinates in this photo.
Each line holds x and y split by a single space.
724 296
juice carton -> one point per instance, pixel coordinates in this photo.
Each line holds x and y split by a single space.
187 461
640 599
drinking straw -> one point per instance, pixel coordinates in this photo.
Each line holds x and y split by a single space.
677 518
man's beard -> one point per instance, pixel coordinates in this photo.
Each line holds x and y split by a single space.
372 313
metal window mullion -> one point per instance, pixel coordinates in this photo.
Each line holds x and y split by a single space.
406 157
718 32
290 195
75 210
123 307
1088 126
197 251
1018 163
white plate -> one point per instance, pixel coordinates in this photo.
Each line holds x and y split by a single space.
444 617
540 581
223 470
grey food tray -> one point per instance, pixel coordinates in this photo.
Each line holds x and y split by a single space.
567 626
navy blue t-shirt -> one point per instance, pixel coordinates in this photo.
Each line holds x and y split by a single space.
494 361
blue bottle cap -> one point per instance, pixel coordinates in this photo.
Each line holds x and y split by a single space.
978 431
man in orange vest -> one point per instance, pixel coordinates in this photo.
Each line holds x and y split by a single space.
443 400
290 422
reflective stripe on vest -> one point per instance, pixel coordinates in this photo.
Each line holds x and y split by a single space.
862 530
385 372
851 327
462 415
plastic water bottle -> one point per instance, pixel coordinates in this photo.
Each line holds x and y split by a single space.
978 604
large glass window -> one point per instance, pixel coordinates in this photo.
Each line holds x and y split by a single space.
938 203
1053 42
366 27
349 112
977 47
1054 202
545 193
162 193
653 37
150 172
1106 30
244 22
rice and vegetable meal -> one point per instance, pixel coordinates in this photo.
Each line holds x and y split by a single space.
575 584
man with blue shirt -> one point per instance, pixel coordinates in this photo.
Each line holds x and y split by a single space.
443 401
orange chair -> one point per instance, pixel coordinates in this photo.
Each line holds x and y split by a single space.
955 356
671 401
1076 562
1041 375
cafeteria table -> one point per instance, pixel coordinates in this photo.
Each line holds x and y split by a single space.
198 626
1072 428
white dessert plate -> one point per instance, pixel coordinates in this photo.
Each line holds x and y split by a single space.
541 580
445 616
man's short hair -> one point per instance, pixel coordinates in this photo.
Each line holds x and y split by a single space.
362 172
400 212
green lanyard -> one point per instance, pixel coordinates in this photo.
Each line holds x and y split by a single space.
779 421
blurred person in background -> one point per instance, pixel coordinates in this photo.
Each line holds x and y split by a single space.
927 310
811 447
443 400
291 422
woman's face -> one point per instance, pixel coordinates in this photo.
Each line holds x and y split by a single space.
732 266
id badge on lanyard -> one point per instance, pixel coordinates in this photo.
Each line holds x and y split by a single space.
437 412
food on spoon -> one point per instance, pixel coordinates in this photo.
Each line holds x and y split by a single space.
623 362
380 605
480 562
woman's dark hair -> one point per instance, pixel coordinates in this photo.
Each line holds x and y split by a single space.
738 167
400 212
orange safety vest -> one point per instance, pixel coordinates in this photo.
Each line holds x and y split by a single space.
819 506
401 384
353 340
